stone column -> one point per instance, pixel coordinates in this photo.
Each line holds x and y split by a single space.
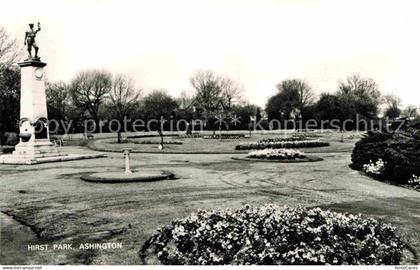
33 111
33 102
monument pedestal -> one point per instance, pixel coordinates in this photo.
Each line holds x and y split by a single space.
31 152
34 145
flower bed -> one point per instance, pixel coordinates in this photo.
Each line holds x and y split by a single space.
284 139
193 135
280 144
224 136
274 235
157 142
276 154
151 136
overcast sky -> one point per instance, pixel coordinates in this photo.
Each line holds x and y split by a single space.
259 43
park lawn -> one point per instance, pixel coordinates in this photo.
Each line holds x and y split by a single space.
209 146
61 208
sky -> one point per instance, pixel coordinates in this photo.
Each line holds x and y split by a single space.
257 43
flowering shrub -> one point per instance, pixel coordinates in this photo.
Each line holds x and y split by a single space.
274 235
279 154
280 144
399 150
414 182
375 168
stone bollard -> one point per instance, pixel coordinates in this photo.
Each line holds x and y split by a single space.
126 152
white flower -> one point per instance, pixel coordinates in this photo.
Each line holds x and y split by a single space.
281 153
376 168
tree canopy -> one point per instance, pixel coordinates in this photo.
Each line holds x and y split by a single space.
89 89
293 96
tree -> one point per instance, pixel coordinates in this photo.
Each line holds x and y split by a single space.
347 111
276 107
9 99
123 98
392 112
392 102
333 107
411 112
208 93
216 95
208 90
293 95
363 93
327 107
244 114
299 89
10 51
231 96
89 89
159 105
57 100
186 100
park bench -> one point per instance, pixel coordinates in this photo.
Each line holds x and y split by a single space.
57 141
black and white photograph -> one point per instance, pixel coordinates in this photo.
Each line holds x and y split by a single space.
209 132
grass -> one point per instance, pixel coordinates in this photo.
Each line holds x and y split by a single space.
200 145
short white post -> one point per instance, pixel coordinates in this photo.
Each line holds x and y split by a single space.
126 152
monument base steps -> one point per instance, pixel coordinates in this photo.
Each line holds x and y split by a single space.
40 152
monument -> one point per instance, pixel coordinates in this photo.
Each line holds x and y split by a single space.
34 145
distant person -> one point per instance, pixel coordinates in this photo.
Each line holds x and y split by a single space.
189 128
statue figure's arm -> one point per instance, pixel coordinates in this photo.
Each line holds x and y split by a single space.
39 28
26 36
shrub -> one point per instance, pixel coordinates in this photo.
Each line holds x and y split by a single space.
280 144
400 152
6 149
378 171
274 235
276 154
11 138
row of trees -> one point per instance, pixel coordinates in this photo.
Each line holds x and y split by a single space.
354 97
98 95
10 52
216 99
92 94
